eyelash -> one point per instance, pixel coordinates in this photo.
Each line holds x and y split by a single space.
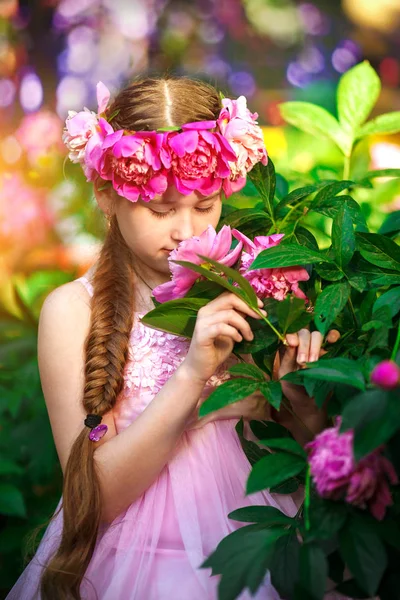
162 215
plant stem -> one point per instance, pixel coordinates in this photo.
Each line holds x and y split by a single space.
396 344
353 313
346 166
280 336
307 500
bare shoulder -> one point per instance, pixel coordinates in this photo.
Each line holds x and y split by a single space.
64 324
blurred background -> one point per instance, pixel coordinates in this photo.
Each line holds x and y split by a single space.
52 54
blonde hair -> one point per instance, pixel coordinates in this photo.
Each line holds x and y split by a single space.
145 104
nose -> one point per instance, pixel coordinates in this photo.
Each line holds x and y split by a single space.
183 227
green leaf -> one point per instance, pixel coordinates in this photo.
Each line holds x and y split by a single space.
289 311
237 278
268 429
295 197
387 123
273 470
327 517
314 119
343 239
364 553
329 271
251 449
378 173
375 416
175 316
286 444
263 178
288 255
242 558
11 501
268 515
228 392
247 370
238 218
391 223
313 571
264 338
204 289
379 250
212 277
330 191
357 94
329 304
330 207
391 298
284 565
272 390
305 238
337 370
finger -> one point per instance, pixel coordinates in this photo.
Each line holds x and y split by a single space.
288 362
304 346
224 329
315 346
333 336
229 300
292 339
232 317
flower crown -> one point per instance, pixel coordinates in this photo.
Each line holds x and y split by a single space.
202 156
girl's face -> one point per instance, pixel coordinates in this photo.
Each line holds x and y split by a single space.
153 229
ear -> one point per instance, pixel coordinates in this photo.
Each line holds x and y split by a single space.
104 194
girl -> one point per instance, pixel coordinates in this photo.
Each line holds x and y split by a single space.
144 505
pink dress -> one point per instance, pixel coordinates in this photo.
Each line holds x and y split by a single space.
152 551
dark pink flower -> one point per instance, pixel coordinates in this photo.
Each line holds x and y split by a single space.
132 162
269 283
199 158
337 475
211 244
386 375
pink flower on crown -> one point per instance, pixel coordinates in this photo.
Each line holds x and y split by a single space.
199 158
209 243
134 163
269 283
239 126
337 475
81 126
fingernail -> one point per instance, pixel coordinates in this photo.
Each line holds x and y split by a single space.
313 358
264 312
301 358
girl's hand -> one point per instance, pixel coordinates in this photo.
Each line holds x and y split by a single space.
219 325
304 347
254 407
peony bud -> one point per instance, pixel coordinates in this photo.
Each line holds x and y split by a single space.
386 375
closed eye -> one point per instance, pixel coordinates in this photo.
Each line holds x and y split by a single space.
163 214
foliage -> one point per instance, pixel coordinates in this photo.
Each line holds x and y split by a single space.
354 286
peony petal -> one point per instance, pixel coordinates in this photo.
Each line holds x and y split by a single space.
233 256
103 96
184 142
247 243
199 125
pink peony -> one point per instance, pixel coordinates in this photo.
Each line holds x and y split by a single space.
199 159
239 126
134 163
81 126
39 133
209 243
269 283
337 475
386 375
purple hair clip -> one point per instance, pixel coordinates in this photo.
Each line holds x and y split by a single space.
97 430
